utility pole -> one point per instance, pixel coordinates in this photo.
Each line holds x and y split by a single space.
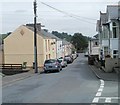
119 30
35 38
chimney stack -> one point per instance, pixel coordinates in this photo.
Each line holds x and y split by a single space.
38 25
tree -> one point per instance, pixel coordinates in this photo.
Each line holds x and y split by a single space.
79 41
62 35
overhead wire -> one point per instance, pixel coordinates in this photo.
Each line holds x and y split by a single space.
70 15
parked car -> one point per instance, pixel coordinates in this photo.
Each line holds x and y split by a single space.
69 59
74 55
77 54
86 54
63 62
52 65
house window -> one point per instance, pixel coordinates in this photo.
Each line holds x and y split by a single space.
115 30
115 53
114 33
49 56
46 57
49 45
105 33
46 44
95 44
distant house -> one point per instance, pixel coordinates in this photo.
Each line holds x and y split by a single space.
19 46
58 44
67 48
93 47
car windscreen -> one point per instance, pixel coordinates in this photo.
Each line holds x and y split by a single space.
50 61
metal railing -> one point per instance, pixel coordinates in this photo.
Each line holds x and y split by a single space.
10 66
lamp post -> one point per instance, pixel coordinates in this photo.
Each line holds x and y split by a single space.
35 38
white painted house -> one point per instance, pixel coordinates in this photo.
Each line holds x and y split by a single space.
93 47
108 30
112 13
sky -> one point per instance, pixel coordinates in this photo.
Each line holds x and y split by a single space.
75 16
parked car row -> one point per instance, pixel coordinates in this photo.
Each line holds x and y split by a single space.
58 64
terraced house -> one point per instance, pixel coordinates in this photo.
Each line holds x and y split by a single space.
19 46
108 31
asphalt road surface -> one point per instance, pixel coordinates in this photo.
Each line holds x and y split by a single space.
74 84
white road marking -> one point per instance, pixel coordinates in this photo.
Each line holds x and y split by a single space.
95 100
108 100
110 97
102 82
102 86
100 89
98 94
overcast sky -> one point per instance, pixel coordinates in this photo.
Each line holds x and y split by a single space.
81 15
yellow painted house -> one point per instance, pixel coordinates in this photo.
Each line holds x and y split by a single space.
19 46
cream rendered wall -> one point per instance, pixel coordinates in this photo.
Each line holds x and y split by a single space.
40 52
51 48
19 47
46 49
53 51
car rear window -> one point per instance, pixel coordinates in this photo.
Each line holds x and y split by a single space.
50 61
60 60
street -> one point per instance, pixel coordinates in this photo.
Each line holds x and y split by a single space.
76 83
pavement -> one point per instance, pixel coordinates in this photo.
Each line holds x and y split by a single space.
17 77
101 74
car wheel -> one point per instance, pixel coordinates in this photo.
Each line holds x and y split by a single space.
45 71
59 70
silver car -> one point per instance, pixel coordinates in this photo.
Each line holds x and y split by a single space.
63 62
52 65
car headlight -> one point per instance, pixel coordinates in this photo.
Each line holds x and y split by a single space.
56 66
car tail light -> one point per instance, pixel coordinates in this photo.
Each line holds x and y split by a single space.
56 63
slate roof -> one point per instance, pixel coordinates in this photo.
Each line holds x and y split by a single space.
38 32
98 26
43 33
48 34
65 42
113 11
103 17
